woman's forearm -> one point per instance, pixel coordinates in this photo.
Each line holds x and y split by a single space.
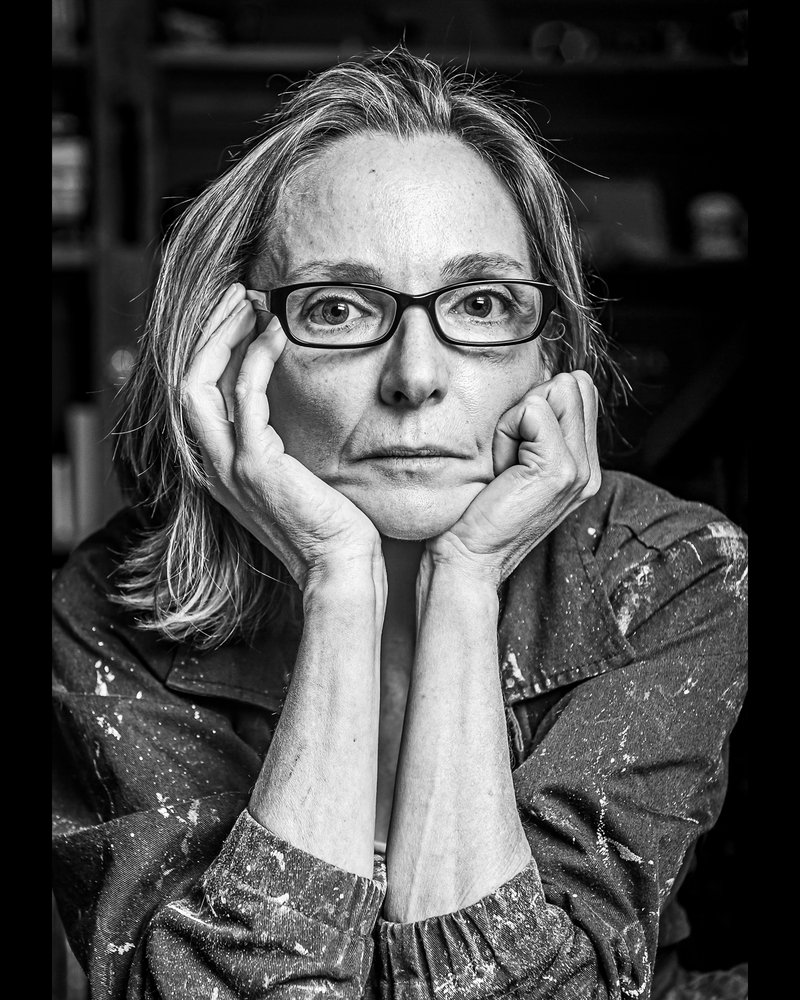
456 834
317 785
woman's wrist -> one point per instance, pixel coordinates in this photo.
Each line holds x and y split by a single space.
347 580
449 557
469 578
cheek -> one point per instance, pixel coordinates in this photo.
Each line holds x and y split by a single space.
501 381
312 408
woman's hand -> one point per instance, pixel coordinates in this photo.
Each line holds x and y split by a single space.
308 525
546 465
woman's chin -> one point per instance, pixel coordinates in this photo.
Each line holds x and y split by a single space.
412 514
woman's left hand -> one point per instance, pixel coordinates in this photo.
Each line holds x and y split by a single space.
546 465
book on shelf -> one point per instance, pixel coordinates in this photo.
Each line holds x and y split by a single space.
66 22
81 478
62 503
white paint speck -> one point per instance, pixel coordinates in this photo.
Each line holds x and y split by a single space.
602 842
101 687
625 853
512 669
119 949
106 726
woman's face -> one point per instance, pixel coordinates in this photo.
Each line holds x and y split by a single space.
411 215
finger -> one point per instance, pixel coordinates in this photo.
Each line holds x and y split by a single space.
258 300
564 395
251 406
591 407
213 352
527 433
229 300
201 394
227 381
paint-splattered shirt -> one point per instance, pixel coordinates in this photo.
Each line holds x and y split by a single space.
622 642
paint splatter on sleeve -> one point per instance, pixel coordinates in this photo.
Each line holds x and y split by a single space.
165 884
620 777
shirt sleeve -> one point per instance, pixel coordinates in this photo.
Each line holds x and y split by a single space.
626 771
166 885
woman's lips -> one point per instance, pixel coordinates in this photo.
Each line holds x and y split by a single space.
414 452
398 465
400 460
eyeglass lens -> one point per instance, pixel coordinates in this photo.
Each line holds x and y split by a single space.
482 313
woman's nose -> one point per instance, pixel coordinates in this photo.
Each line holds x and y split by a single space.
416 369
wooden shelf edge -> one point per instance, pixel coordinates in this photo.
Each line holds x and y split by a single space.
71 256
69 56
671 265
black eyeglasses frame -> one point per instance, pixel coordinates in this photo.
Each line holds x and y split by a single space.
278 297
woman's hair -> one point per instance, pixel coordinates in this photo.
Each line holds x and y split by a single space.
194 573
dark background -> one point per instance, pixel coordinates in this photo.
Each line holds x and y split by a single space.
642 103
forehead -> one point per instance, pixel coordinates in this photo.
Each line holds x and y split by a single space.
403 208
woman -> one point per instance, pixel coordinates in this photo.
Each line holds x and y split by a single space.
380 687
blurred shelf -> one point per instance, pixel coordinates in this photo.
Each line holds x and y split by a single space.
277 58
69 256
638 9
69 57
672 266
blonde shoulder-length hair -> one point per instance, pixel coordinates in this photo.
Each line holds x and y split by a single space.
195 575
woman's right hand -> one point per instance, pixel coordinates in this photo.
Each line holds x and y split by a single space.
311 527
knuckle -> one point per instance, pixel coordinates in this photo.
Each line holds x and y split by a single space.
536 401
188 400
567 472
594 483
582 476
186 388
242 468
241 389
565 388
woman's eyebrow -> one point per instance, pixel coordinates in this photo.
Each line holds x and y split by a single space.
472 265
480 265
335 270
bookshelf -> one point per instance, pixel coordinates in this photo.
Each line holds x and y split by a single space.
98 250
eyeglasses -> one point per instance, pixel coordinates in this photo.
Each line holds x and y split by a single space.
334 315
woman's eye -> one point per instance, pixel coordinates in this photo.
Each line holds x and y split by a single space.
334 312
478 305
483 305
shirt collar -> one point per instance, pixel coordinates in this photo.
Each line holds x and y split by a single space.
556 623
